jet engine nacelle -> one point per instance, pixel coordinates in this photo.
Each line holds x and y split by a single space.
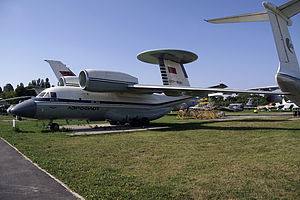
105 81
273 98
68 81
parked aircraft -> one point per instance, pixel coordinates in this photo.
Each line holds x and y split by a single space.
286 105
234 107
288 75
117 96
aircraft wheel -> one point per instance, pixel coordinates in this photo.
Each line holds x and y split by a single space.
135 123
295 113
113 122
145 121
54 127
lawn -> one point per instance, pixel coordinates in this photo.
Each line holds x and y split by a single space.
246 159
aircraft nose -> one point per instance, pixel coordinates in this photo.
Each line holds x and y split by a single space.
25 109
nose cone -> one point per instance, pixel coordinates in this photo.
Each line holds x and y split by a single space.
25 109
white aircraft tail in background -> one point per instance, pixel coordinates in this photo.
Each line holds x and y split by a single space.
64 75
288 75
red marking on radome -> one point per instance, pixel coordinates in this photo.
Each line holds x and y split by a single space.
172 70
67 73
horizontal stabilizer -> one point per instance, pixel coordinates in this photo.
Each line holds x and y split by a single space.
221 85
249 17
290 9
286 10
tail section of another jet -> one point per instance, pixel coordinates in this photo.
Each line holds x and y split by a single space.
279 19
288 75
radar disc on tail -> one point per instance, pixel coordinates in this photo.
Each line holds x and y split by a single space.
170 62
178 56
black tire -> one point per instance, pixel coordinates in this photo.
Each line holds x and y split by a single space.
135 123
295 113
113 122
145 122
54 127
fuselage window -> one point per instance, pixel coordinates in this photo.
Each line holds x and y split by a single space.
53 94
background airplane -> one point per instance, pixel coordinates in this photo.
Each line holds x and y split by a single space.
288 74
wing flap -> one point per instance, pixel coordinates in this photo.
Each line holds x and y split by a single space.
195 91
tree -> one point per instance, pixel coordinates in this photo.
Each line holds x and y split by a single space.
38 82
33 82
1 90
20 90
42 84
8 88
47 83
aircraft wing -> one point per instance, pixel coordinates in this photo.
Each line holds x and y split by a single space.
267 88
16 98
194 91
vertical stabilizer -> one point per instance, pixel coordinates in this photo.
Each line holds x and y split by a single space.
286 53
173 73
170 62
59 69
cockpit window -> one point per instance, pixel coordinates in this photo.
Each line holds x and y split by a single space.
47 95
41 94
53 94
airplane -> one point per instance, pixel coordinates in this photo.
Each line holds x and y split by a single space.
249 104
118 97
286 105
288 74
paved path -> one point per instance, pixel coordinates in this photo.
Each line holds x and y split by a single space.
21 179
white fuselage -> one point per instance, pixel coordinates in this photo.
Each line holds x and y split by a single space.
75 103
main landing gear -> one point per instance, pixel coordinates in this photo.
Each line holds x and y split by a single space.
296 113
139 122
53 126
133 123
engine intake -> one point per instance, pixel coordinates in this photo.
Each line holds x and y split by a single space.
105 81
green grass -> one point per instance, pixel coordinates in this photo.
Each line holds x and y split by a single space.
246 159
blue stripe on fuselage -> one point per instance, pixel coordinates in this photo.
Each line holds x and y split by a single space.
105 102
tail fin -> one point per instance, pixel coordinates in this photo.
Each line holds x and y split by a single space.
170 62
279 18
173 73
60 69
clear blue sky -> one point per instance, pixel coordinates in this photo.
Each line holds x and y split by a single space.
108 34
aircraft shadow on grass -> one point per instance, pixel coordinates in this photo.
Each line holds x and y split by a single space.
202 126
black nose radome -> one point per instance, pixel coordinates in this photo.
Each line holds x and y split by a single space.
25 109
